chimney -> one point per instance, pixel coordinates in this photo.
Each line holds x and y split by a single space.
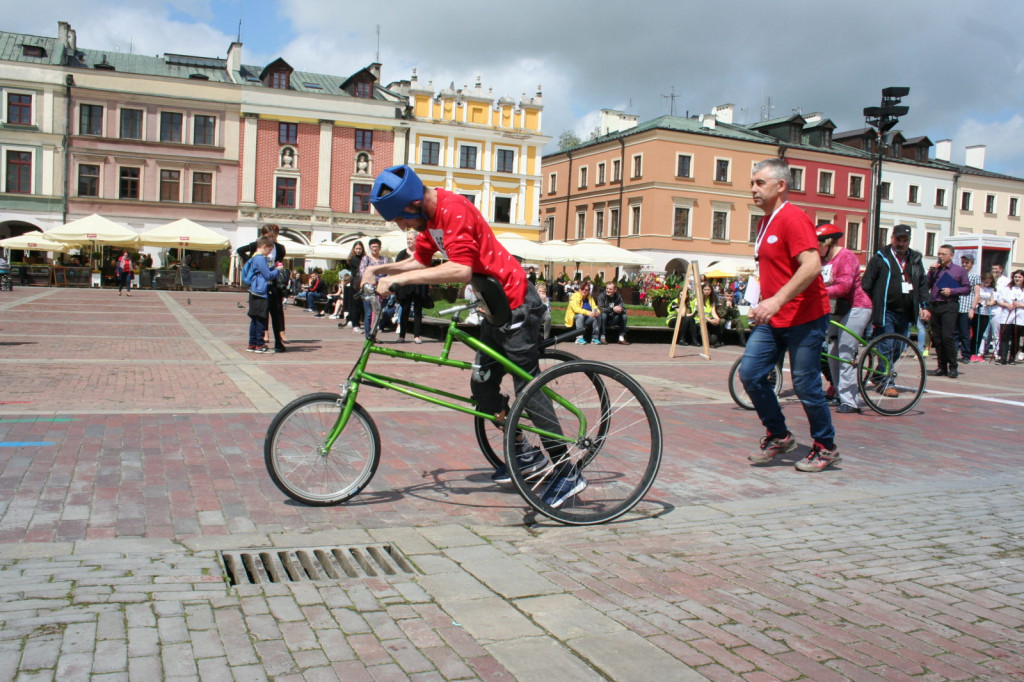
708 121
613 121
724 112
66 36
975 156
375 70
234 61
943 150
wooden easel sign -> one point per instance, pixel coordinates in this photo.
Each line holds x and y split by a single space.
692 275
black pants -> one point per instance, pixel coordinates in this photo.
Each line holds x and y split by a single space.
410 307
1009 341
517 340
275 305
945 316
963 335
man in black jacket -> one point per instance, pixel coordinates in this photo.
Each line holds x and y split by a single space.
896 282
613 312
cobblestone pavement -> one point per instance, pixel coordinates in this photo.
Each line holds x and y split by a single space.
131 458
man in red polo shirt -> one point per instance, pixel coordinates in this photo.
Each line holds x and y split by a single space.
792 316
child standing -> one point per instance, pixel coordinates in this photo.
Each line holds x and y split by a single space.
258 306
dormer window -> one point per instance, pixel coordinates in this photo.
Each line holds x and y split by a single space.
277 75
279 80
32 51
363 90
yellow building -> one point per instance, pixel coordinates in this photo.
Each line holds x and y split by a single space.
486 149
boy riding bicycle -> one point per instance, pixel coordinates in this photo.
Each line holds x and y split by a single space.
449 223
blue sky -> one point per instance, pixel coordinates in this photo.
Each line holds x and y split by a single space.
964 62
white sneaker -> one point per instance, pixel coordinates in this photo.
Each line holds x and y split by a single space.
334 317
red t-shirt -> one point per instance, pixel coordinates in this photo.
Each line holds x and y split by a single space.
461 234
786 236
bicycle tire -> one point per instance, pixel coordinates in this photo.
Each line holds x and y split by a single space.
489 437
294 454
739 393
905 373
619 454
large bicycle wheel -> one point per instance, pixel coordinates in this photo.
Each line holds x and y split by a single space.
890 374
299 462
612 439
739 393
489 437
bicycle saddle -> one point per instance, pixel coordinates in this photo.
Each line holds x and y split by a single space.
495 308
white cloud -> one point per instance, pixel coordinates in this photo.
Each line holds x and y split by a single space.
1004 142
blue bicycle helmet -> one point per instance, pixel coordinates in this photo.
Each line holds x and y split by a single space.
394 189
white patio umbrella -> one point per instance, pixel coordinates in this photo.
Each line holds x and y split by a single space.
34 241
522 247
331 250
185 234
95 229
600 252
391 243
295 249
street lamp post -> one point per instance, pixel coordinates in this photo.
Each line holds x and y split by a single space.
883 119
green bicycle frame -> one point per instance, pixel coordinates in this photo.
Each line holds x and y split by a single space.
887 362
466 405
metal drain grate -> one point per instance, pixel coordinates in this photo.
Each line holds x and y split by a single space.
260 566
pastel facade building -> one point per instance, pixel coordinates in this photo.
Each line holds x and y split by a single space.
310 146
485 148
985 203
33 122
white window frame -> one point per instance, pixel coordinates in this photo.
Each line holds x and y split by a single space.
943 192
142 128
440 150
192 128
602 176
615 221
513 205
298 189
885 184
616 170
552 183
103 118
142 178
99 179
479 155
515 159
966 196
728 170
803 178
181 181
32 105
914 189
860 231
994 200
3 167
634 161
213 185
720 207
679 157
599 223
184 125
636 216
581 225
1013 207
582 177
831 183
688 204
849 191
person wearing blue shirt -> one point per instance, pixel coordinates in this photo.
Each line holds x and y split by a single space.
258 306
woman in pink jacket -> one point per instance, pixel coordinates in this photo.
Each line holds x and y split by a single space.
841 271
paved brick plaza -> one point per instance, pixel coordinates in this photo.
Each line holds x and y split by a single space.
131 454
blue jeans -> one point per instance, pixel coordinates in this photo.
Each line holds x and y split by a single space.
765 347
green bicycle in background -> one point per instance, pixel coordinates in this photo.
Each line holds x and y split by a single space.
324 448
890 373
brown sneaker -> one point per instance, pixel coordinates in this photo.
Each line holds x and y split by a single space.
891 392
819 459
771 446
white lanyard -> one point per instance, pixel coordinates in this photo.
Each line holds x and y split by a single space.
761 233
